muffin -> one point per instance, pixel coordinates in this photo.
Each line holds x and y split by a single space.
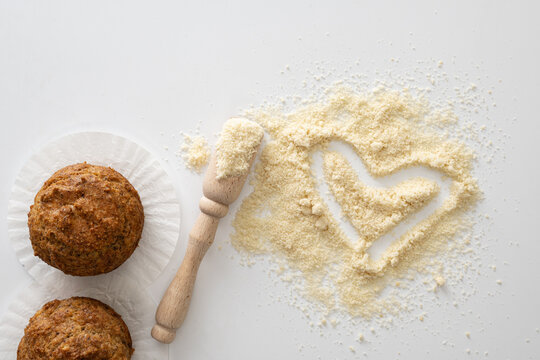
86 220
75 328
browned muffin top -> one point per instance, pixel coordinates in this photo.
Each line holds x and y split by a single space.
75 329
86 220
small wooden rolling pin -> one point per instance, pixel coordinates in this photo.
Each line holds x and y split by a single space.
218 195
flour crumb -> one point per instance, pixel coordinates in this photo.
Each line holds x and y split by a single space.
440 281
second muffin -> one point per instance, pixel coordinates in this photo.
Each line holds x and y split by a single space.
86 220
78 328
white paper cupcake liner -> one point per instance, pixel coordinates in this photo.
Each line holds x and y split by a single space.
124 296
161 207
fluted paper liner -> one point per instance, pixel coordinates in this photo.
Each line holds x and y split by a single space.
140 167
123 295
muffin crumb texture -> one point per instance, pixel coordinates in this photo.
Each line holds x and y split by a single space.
86 220
75 329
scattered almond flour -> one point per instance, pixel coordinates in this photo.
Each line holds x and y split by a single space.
287 217
238 142
195 152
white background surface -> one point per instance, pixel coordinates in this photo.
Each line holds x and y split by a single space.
148 70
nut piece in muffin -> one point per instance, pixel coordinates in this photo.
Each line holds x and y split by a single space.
86 220
75 329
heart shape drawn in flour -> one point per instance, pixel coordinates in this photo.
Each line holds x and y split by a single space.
379 211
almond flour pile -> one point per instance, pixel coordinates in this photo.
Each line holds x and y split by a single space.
287 217
195 152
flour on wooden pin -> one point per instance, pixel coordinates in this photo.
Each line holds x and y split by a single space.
236 146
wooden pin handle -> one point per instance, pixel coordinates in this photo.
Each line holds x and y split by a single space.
175 303
218 195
